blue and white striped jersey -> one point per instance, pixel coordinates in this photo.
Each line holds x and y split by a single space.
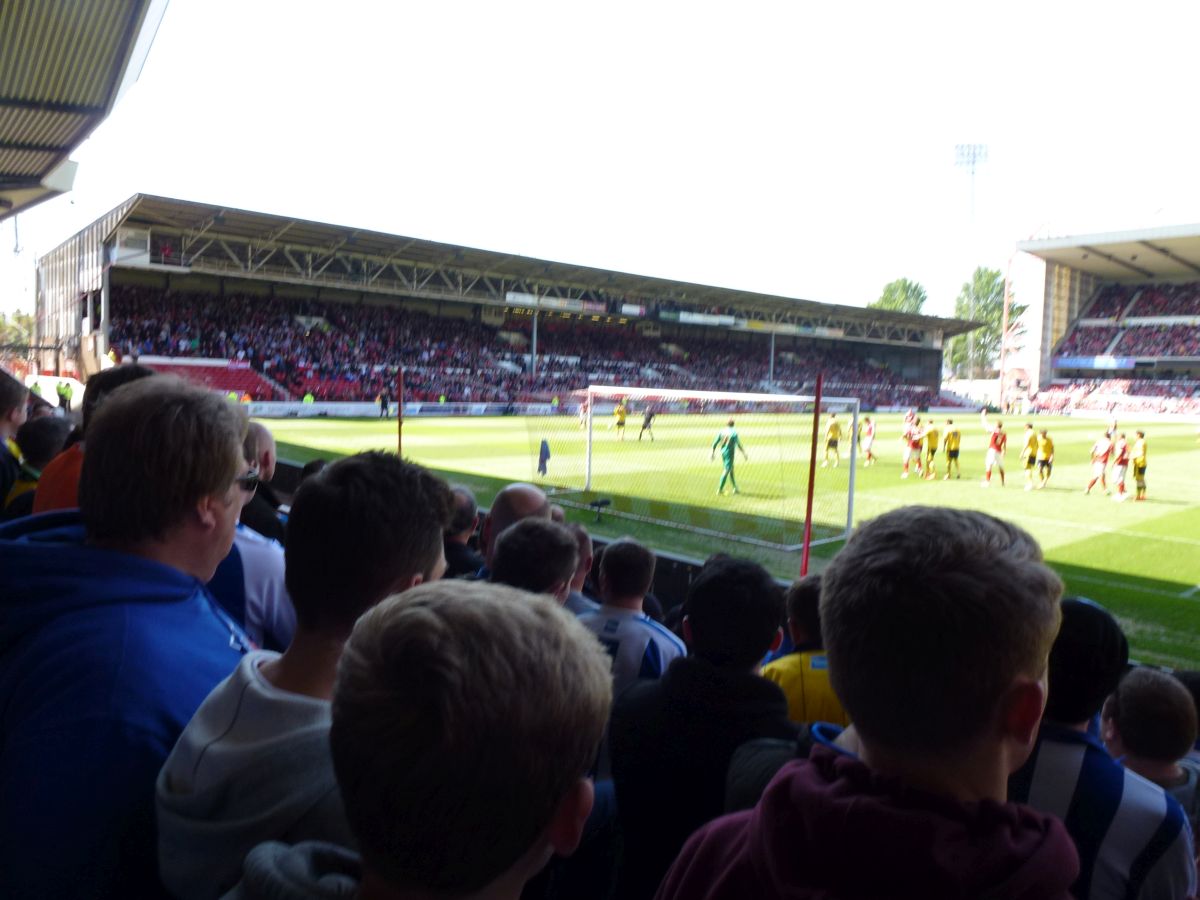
1133 839
639 646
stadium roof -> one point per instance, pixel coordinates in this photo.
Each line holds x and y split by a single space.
1153 253
207 235
62 68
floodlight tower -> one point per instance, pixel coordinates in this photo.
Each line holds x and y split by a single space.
970 157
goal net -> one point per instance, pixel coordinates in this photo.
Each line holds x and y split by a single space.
666 464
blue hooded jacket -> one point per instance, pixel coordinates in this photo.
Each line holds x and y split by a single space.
104 657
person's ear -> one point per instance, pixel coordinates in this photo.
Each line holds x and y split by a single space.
208 511
687 630
1022 708
566 828
777 642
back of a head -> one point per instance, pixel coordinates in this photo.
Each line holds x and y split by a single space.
13 394
1087 661
516 502
311 468
626 568
535 555
803 603
1154 714
155 448
361 529
104 383
42 439
583 543
465 510
928 614
734 610
464 713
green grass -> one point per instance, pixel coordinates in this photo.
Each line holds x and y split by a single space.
1141 560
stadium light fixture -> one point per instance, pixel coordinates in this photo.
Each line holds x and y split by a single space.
970 157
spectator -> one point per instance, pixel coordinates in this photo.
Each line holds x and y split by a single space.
536 555
58 488
476 784
261 513
110 641
250 585
1132 839
311 468
803 674
1149 725
672 740
13 410
945 685
577 601
512 504
253 764
39 441
460 558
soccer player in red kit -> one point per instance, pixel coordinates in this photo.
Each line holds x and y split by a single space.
997 447
1120 466
1101 451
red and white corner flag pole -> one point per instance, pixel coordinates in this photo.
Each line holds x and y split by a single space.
812 476
400 412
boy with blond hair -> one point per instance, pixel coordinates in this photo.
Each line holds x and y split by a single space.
938 624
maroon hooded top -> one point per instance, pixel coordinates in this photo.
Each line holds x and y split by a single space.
829 827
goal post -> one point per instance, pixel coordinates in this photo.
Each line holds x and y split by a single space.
665 464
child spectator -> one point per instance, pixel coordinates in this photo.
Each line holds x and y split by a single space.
1149 725
672 739
253 765
937 623
804 673
1132 839
39 440
465 718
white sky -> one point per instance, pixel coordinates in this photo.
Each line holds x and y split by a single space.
794 148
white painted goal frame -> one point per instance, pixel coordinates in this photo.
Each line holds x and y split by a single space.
600 392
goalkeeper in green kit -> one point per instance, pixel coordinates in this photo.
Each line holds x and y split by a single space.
729 442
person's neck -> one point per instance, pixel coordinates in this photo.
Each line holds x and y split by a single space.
176 554
372 887
308 666
967 776
1166 774
578 582
634 603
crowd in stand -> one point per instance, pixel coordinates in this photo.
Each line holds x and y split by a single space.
1179 395
195 710
1159 340
1168 300
351 352
1088 341
1110 301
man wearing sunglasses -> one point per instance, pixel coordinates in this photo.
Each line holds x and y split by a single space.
109 641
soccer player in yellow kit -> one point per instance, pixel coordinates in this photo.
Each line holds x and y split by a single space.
833 434
932 436
1045 457
619 414
1029 454
952 442
1139 464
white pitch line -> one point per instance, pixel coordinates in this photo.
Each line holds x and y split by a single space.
1129 586
1191 593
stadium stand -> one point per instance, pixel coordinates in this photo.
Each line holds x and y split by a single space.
279 349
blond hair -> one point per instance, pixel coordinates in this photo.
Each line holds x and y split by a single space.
928 614
464 712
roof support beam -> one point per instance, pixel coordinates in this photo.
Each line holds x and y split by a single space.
74 109
233 256
1117 261
1174 257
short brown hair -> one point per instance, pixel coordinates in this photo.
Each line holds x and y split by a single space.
154 449
627 568
13 394
358 529
464 712
535 555
1155 715
803 602
927 615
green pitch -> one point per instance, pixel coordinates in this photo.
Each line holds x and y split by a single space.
1141 560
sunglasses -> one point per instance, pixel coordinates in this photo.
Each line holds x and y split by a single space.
248 482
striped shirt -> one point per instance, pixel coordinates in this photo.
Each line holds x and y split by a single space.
639 646
1133 840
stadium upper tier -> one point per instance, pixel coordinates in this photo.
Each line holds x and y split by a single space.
1120 395
351 352
1137 321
